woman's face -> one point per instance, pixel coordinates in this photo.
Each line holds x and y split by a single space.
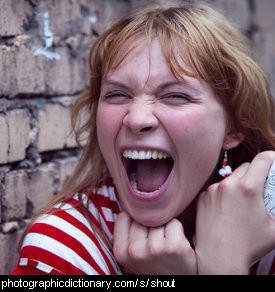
160 138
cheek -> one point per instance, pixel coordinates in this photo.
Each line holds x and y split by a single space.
108 121
197 132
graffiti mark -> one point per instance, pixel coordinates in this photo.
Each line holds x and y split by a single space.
48 37
92 19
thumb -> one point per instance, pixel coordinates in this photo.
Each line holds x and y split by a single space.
121 236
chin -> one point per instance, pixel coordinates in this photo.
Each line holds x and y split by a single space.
151 220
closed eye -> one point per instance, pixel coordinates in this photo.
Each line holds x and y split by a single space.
116 97
176 98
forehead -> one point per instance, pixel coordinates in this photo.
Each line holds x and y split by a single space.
145 66
139 54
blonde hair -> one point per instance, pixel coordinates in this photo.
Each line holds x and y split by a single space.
217 53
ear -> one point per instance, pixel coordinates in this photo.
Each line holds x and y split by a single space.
232 140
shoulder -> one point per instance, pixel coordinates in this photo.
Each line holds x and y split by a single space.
63 240
103 206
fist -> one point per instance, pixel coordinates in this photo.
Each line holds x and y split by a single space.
160 250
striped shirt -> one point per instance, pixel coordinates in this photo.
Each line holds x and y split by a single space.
62 242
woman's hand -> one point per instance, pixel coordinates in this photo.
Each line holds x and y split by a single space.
233 228
147 251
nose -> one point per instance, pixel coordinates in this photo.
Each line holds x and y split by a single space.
140 117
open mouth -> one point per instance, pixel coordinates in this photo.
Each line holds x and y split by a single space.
147 170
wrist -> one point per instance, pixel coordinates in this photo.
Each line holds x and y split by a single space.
222 265
222 269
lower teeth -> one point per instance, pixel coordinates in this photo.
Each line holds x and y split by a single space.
133 181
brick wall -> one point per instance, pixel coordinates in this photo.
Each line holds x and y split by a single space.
44 46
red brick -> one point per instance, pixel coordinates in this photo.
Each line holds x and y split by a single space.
4 139
30 74
67 19
9 251
66 167
14 199
14 15
19 130
42 185
52 120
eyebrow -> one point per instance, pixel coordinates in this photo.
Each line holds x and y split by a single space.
160 87
116 83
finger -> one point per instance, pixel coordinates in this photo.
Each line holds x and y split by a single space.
172 228
137 245
253 181
228 184
156 240
122 226
239 172
174 234
156 233
121 234
138 232
259 168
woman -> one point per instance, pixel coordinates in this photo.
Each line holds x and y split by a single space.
174 97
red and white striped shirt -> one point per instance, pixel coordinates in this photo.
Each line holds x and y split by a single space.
62 242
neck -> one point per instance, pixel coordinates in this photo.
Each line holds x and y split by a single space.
188 219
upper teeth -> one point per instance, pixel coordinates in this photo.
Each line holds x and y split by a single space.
145 154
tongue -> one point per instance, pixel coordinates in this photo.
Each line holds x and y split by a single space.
151 174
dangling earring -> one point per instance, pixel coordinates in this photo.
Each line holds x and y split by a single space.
226 170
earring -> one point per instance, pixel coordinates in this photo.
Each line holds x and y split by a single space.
226 170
